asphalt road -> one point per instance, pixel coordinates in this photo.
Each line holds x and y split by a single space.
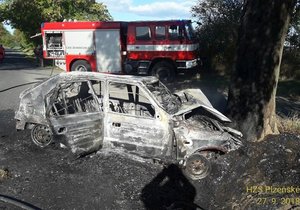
16 74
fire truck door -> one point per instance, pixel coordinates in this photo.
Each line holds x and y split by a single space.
108 51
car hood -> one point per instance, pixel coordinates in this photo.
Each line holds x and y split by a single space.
199 100
25 92
205 134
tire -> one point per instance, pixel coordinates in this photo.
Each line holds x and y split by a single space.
197 166
41 135
81 65
164 71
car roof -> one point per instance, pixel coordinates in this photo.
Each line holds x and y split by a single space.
107 76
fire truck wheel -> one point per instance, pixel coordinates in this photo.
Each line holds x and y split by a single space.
81 65
164 71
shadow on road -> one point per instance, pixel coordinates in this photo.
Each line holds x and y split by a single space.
7 123
16 60
170 189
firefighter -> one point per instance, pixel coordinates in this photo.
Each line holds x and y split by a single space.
38 52
2 53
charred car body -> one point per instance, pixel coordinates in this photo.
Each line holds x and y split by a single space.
137 115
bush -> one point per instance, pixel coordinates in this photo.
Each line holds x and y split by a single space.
289 125
290 65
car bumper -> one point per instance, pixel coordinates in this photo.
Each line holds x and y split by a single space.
190 66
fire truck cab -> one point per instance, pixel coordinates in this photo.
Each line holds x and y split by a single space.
160 48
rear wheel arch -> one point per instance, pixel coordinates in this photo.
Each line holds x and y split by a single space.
211 148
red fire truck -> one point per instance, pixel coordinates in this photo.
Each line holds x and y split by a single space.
160 48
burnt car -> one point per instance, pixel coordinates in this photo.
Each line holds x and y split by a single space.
138 115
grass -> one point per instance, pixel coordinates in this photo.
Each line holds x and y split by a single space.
289 125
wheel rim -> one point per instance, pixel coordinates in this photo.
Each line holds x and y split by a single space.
81 68
197 167
163 74
41 135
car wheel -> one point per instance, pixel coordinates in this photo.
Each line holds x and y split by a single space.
41 135
197 166
164 71
81 65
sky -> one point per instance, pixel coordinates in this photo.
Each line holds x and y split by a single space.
131 10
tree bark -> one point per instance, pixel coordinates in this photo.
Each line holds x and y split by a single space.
251 99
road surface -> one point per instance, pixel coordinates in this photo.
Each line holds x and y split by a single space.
18 73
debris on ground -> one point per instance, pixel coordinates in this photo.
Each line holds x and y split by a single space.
4 174
262 175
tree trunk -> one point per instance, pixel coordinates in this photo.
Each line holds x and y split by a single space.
251 100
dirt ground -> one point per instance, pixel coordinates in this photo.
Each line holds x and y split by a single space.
51 178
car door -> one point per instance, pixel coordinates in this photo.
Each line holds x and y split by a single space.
133 123
75 113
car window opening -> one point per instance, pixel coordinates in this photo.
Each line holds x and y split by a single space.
75 97
129 99
167 100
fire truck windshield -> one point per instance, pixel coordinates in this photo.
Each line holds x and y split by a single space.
169 102
190 31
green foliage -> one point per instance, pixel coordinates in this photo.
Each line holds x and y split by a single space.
22 41
58 10
27 19
218 23
293 37
290 65
6 38
2 6
27 15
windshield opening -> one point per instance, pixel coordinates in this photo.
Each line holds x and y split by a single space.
167 100
190 31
